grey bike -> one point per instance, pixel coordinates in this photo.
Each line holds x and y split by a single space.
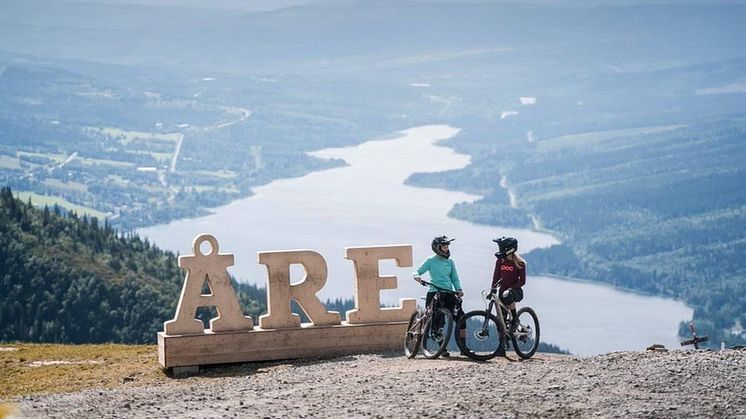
486 335
429 329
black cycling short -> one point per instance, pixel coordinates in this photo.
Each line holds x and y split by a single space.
512 295
447 300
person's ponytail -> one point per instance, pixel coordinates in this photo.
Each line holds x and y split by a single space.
518 261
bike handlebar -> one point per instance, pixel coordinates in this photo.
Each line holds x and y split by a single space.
423 283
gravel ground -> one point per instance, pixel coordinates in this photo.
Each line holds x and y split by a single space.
622 384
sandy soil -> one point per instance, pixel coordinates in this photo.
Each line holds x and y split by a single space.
623 384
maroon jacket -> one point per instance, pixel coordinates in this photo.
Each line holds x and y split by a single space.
508 275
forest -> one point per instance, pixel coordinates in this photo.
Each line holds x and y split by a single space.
70 279
654 209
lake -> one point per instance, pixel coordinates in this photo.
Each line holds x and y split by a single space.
366 203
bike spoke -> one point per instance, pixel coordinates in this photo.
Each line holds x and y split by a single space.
483 336
437 333
413 336
526 336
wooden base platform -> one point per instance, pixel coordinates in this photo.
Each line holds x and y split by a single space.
264 345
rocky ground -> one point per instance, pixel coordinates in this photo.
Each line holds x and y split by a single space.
649 384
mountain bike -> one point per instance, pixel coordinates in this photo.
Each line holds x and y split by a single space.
429 329
486 335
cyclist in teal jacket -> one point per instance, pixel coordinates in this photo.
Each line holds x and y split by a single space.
443 273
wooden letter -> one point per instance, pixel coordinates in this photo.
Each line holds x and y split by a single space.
210 267
369 283
280 291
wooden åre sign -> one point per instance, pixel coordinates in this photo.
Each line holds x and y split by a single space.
232 337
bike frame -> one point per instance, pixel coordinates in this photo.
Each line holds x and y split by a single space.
500 308
427 314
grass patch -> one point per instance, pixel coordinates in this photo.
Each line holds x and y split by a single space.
41 200
160 156
222 174
590 138
129 136
50 368
66 186
114 163
12 163
56 158
202 188
117 180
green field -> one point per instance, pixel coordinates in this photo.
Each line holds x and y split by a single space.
33 368
68 186
129 136
105 162
223 174
57 158
592 138
7 162
41 200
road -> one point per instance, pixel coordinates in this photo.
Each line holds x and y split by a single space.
245 113
175 157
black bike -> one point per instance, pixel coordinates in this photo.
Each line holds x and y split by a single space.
485 331
430 329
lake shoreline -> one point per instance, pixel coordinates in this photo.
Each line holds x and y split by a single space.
366 202
535 226
612 286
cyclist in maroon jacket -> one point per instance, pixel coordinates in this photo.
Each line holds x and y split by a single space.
510 275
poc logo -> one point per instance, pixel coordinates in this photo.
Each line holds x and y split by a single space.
506 268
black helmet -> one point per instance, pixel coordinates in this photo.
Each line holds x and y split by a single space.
508 246
439 241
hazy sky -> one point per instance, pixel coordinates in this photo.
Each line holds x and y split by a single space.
244 5
268 5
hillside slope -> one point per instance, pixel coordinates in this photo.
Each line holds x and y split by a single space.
658 209
669 384
68 279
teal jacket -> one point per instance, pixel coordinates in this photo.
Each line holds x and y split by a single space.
442 273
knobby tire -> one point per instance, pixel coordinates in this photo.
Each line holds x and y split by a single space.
431 347
481 344
519 346
413 338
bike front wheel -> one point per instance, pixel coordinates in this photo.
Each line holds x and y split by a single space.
414 335
485 335
437 333
526 336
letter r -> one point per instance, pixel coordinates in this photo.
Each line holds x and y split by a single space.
280 291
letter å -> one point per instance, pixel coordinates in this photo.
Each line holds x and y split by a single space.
211 267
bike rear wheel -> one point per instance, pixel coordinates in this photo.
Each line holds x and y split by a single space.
413 337
485 335
437 333
526 336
